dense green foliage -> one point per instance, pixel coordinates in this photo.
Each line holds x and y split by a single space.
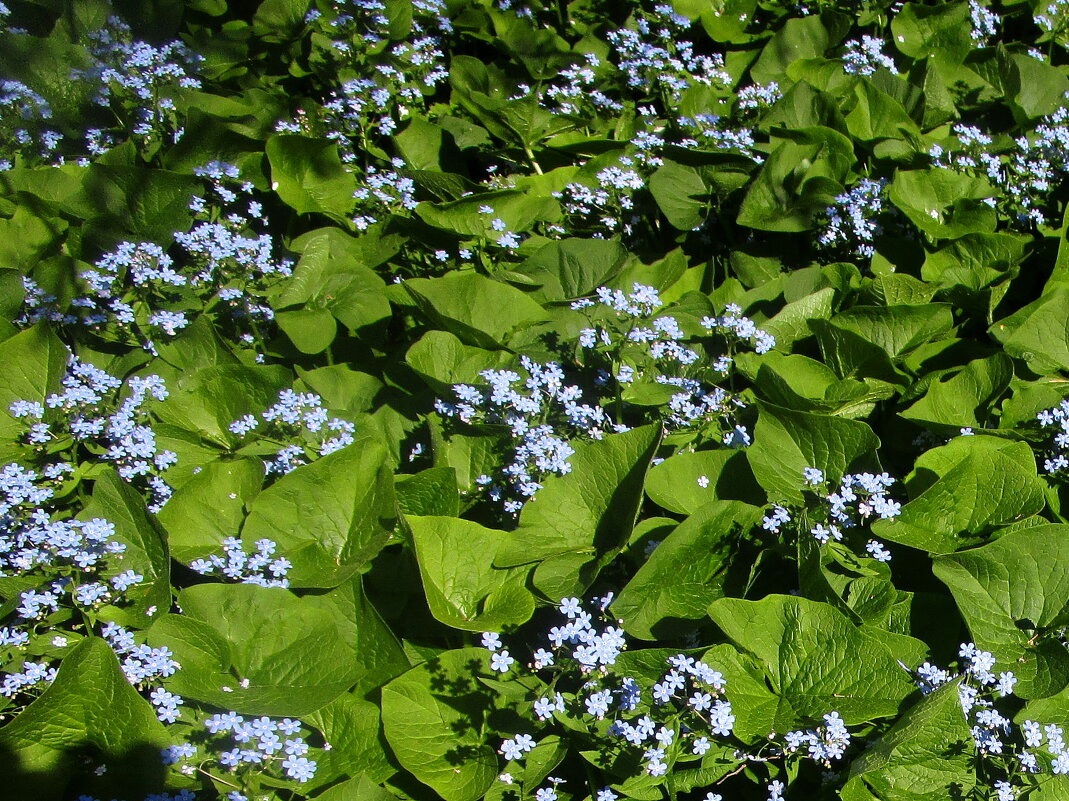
346 345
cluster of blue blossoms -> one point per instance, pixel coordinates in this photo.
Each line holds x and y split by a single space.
679 717
89 411
262 567
135 77
541 418
297 415
140 292
859 499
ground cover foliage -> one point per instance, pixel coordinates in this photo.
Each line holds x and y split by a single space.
455 399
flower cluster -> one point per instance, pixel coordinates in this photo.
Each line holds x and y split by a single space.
865 55
89 411
859 499
1024 176
136 78
1011 751
638 345
297 415
852 222
261 567
690 699
139 292
384 192
395 78
607 208
259 742
658 63
1052 19
145 668
1055 424
984 23
24 125
542 418
573 92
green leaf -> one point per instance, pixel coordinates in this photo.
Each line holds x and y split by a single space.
310 330
146 547
1013 593
1039 333
942 31
942 203
478 310
985 489
674 485
90 707
572 268
798 181
210 507
429 492
786 442
329 517
686 572
33 366
681 194
434 717
269 633
205 402
308 175
799 38
591 509
926 756
462 592
897 329
519 210
148 203
810 654
333 275
965 399
443 360
877 115
353 728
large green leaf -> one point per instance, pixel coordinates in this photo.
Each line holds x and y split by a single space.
927 755
269 634
434 717
89 709
810 654
681 194
443 360
942 31
1013 593
146 547
591 509
942 203
205 402
985 489
786 442
1039 333
519 211
572 268
333 275
800 37
798 181
686 572
329 517
309 176
676 483
964 399
897 329
478 310
34 363
465 592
